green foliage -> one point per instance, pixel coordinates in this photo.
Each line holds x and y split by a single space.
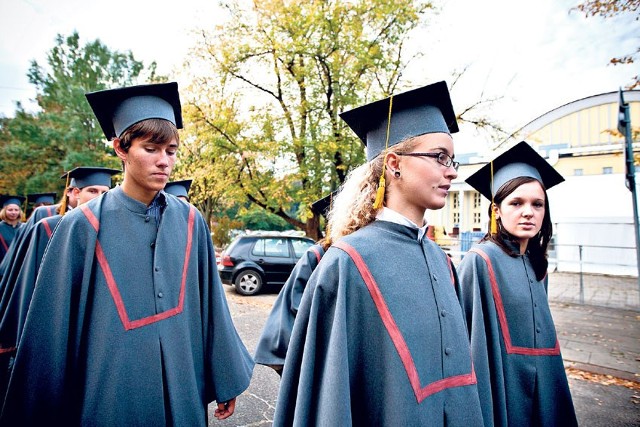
221 231
38 147
263 118
259 219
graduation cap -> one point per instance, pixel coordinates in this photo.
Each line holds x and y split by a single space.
417 112
118 109
85 176
71 182
6 200
322 206
518 161
179 188
41 198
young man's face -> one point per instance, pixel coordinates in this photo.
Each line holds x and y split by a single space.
90 192
147 166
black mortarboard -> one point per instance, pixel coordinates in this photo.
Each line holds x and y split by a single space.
118 109
41 198
85 176
519 160
417 112
322 206
179 188
6 199
71 181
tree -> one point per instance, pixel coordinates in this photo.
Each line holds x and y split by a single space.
608 9
63 134
267 88
265 118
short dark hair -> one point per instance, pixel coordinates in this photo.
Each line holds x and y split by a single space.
158 131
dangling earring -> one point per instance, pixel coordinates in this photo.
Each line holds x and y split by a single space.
397 174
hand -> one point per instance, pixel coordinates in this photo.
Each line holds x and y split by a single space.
225 410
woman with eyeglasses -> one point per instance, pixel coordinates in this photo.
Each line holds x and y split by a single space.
380 337
515 348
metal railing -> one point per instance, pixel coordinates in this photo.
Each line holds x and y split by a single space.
581 274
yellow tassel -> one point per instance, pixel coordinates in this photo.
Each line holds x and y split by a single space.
63 204
380 193
377 204
494 223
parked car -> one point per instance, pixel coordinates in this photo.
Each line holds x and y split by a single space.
254 260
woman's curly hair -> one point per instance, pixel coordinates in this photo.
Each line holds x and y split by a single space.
352 208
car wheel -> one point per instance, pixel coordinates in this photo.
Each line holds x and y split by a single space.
248 282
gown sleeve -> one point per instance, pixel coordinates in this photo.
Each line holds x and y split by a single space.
484 332
274 341
228 364
319 394
54 321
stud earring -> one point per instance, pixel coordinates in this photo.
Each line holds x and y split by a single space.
396 174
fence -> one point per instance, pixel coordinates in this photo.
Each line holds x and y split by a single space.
581 274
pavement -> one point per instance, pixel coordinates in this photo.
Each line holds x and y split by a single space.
597 319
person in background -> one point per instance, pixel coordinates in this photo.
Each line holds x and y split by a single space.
380 337
180 189
39 212
128 323
42 199
17 284
70 200
10 221
274 340
515 348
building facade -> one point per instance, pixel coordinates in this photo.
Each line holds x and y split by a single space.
592 211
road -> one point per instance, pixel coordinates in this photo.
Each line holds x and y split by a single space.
599 401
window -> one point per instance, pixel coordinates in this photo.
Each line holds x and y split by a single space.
476 217
607 170
300 246
455 202
578 172
476 200
277 247
456 217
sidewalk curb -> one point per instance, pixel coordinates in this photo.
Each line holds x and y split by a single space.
602 370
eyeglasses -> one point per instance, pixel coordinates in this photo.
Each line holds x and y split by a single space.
443 158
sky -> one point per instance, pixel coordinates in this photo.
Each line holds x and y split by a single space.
535 56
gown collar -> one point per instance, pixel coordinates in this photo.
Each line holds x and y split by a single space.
387 214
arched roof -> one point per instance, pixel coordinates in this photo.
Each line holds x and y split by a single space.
576 106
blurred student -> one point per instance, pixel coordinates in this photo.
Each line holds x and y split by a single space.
515 348
180 189
128 324
274 340
42 210
380 338
46 200
10 221
17 284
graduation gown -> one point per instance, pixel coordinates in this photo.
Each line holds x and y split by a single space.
17 290
516 353
128 323
380 338
274 341
7 234
11 257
